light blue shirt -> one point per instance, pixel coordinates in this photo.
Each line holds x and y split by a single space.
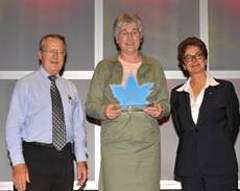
30 115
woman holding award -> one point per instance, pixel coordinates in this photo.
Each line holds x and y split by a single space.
130 141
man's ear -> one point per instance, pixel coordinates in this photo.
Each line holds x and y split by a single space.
39 53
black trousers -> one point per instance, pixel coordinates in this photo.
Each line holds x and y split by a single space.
49 169
203 182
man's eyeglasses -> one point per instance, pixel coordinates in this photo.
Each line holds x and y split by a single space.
189 58
54 52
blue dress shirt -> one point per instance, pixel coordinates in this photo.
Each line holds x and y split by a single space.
30 115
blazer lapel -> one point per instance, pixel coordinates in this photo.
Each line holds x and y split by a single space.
208 100
186 101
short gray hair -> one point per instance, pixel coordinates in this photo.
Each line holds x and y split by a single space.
52 35
127 18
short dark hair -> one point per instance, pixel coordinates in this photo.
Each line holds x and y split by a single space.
182 47
52 35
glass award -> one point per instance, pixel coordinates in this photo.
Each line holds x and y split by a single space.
132 96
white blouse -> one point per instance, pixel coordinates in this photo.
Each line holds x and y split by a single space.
197 102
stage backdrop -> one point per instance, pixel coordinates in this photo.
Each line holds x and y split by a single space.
87 25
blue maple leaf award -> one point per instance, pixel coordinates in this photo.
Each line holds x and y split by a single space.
132 94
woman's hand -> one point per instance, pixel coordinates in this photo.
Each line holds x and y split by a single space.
155 110
112 111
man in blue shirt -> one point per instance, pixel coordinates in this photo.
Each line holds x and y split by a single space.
38 165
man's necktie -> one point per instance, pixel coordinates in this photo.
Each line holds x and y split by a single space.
58 122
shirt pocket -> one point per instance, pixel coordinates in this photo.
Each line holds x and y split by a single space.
69 103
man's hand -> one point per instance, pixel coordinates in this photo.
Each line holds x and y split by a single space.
20 176
82 173
155 110
112 111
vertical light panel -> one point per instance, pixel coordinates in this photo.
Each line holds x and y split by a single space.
203 16
98 57
224 30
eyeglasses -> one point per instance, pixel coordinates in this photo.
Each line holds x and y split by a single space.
189 58
54 52
134 34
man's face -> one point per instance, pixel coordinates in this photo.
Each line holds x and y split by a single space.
52 56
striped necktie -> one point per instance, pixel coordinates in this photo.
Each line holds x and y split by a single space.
58 122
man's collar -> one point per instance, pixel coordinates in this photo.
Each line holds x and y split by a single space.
44 73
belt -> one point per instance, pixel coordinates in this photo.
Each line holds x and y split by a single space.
44 145
38 144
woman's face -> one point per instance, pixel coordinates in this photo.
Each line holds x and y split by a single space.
129 39
194 60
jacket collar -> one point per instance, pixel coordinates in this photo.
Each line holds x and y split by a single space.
119 69
115 58
187 87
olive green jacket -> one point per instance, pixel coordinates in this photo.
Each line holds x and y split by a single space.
110 71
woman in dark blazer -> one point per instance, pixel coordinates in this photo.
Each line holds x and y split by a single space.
205 112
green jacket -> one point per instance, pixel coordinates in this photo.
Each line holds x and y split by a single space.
110 71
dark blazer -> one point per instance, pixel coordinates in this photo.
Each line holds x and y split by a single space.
209 144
